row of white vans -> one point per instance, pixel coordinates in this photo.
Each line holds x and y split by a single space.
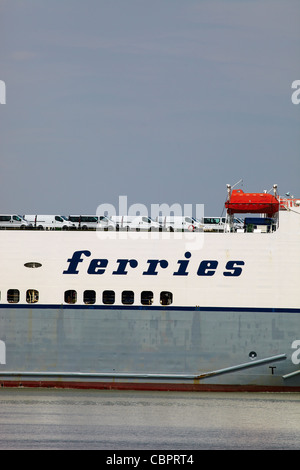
93 222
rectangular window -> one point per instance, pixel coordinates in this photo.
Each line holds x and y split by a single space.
166 298
32 296
147 297
88 219
70 296
127 297
108 297
89 297
13 296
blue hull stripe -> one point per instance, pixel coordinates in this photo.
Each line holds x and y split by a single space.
144 307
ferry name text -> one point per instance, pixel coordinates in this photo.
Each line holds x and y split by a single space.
98 266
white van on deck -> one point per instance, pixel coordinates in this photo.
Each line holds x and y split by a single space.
214 224
179 223
13 221
217 224
92 222
135 222
49 222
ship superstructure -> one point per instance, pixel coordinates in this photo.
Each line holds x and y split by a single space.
165 311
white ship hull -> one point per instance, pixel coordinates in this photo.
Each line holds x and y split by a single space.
233 322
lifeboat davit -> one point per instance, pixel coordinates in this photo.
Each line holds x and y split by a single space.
256 203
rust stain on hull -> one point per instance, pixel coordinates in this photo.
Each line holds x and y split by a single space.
167 387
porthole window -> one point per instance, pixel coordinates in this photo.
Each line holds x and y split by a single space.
13 296
108 297
127 297
89 297
166 298
32 296
70 296
147 297
32 264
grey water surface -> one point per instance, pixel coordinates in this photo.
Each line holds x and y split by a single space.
124 420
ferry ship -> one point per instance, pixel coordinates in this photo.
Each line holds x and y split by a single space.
189 311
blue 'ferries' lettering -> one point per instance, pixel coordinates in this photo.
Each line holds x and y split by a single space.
206 267
123 263
233 270
96 266
76 258
153 265
183 264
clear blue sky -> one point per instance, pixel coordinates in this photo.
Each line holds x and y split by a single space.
164 101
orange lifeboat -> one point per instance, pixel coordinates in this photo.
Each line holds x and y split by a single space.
256 203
